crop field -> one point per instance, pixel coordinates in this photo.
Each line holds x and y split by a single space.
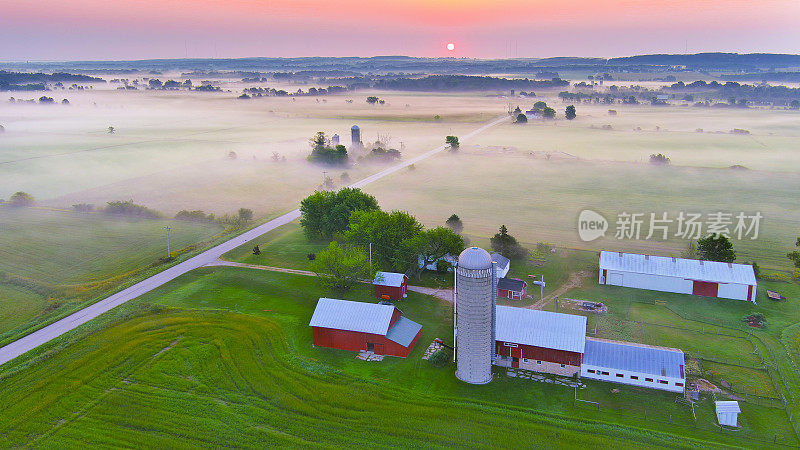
540 200
169 150
690 136
59 248
223 355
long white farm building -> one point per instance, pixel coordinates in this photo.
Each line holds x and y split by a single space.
634 364
682 276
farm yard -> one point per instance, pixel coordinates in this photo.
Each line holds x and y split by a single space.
231 346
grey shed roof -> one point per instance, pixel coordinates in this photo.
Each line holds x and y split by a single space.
510 284
389 279
646 359
403 331
678 267
352 316
501 260
731 406
546 329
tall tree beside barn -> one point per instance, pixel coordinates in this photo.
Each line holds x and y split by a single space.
340 267
387 232
323 214
505 244
716 247
433 244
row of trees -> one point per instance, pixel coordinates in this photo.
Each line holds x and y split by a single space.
356 224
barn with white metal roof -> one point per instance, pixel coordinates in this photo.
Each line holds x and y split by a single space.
683 276
358 326
634 364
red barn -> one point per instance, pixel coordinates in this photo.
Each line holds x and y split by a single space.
358 326
390 285
512 288
539 340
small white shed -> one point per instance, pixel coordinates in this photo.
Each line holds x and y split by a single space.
728 413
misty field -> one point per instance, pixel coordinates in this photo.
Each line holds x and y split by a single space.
170 151
224 355
540 200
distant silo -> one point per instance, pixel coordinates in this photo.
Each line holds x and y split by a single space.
355 136
475 298
335 140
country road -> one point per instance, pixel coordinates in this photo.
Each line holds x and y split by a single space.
56 329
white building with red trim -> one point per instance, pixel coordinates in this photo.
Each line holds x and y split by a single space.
682 276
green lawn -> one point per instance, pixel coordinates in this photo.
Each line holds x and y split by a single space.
19 306
222 357
59 247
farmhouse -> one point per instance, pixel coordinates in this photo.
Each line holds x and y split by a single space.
390 285
512 288
358 326
683 276
539 340
634 364
503 264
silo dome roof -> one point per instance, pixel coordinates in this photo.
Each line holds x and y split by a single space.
474 258
355 127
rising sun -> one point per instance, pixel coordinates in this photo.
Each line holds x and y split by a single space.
451 46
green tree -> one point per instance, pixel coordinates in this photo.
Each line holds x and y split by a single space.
452 141
20 199
716 247
387 232
505 244
795 255
245 214
795 104
372 99
691 251
323 214
431 245
569 113
540 105
549 113
339 267
521 118
454 223
319 140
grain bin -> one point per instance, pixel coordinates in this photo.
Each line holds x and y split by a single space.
475 295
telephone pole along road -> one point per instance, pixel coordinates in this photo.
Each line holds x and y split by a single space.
56 329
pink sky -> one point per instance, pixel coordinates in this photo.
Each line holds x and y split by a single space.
107 29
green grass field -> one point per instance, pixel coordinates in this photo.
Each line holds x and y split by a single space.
58 247
223 356
540 200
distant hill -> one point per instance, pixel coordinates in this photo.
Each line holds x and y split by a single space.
722 62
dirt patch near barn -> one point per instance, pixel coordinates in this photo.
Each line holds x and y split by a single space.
575 280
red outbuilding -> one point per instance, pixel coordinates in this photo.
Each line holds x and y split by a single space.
512 288
358 326
390 285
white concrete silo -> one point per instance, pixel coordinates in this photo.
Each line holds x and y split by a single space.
475 300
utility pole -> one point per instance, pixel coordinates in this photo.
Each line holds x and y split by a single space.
168 228
370 257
